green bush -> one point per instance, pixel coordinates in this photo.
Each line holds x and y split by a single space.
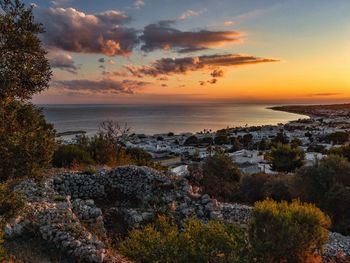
71 155
27 142
285 158
283 232
197 242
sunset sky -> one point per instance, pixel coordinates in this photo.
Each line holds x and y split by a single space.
167 51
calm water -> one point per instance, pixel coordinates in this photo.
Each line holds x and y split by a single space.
151 119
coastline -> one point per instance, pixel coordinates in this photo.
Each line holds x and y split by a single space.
317 111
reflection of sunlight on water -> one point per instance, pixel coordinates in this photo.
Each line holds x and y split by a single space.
152 119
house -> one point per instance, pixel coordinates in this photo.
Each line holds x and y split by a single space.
312 157
181 170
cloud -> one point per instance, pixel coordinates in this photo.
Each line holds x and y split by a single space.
190 13
71 30
59 2
162 35
229 23
138 4
213 81
170 66
217 73
325 94
100 86
63 61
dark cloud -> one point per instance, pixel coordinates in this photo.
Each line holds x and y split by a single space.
326 94
217 73
170 66
100 86
213 81
162 35
63 61
74 31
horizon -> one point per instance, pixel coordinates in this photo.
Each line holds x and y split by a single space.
148 51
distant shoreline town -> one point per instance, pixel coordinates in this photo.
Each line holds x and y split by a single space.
315 135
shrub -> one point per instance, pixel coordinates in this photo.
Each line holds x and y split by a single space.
139 156
251 187
342 151
286 159
197 243
277 189
220 177
282 232
71 155
27 142
336 204
317 180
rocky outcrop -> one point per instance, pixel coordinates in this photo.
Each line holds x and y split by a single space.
72 210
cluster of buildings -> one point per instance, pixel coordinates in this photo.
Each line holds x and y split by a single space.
170 149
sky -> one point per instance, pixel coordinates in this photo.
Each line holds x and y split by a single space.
175 51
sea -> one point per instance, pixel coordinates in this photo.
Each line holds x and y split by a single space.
157 119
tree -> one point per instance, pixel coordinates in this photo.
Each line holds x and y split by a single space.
221 139
283 232
247 139
236 145
317 180
220 177
263 145
327 184
191 141
280 138
286 159
27 142
24 70
208 140
295 143
107 146
252 186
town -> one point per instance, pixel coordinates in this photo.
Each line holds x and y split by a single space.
323 130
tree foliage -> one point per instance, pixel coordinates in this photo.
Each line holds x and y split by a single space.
220 176
24 70
285 158
27 141
327 185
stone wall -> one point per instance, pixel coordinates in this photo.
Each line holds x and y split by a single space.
70 210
